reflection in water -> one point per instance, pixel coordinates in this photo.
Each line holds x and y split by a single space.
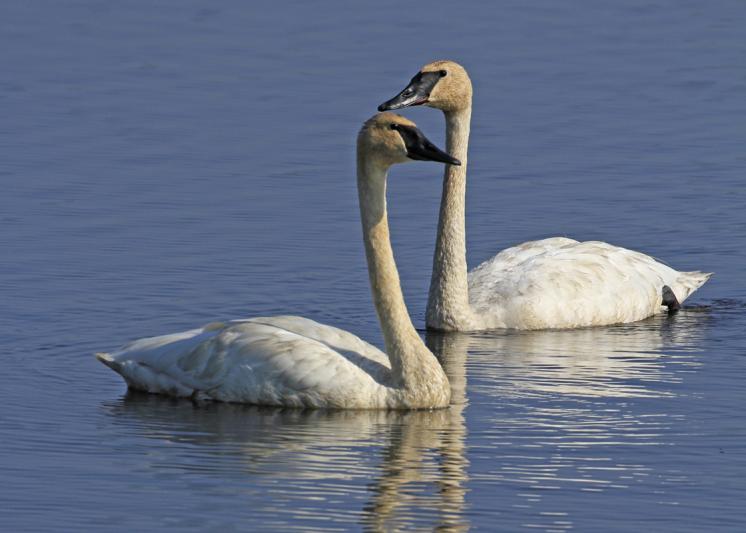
570 410
547 410
616 361
309 460
434 436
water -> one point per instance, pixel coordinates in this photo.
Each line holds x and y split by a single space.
166 166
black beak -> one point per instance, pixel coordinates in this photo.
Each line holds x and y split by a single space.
416 93
420 148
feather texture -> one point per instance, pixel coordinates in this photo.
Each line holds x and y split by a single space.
283 360
563 283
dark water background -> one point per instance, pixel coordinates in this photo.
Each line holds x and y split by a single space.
165 165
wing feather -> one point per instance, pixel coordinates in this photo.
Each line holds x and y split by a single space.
559 283
268 360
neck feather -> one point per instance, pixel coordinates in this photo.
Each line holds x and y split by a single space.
413 365
448 302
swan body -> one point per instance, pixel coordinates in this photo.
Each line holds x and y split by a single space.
282 360
549 283
563 283
293 361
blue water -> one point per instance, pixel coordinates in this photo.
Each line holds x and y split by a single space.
167 165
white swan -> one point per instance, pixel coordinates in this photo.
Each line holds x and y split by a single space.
550 283
296 362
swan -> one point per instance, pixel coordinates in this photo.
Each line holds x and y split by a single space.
292 361
549 283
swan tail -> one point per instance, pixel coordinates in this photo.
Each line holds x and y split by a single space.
139 376
109 361
688 282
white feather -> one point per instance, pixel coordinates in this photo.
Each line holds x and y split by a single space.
563 283
284 360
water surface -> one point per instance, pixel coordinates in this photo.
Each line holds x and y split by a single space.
167 166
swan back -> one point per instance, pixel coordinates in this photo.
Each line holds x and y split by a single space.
563 283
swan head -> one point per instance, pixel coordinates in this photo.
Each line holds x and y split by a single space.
444 85
389 139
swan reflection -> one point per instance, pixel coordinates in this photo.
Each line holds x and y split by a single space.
404 469
547 410
631 360
555 412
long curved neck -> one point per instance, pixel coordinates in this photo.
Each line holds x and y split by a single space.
412 363
448 301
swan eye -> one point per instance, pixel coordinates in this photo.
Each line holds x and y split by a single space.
443 73
393 126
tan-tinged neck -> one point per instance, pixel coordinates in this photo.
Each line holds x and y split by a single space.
448 301
414 367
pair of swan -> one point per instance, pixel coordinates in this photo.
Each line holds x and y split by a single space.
293 361
296 362
549 283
